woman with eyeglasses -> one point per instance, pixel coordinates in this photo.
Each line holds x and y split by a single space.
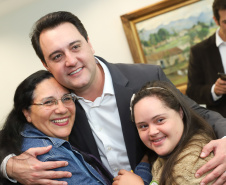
43 115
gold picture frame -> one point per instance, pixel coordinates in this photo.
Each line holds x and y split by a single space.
172 58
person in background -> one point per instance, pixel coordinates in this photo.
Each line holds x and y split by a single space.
173 133
207 59
103 126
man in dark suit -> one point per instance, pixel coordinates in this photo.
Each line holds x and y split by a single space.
207 59
103 126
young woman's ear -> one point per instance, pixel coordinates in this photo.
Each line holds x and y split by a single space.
27 115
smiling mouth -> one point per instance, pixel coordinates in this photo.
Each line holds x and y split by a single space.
74 72
60 120
157 140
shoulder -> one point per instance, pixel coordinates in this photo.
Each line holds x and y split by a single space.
32 139
204 44
137 67
137 72
189 161
130 68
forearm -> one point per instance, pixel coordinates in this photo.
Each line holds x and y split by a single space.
3 168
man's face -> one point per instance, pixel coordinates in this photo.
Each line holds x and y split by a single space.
69 57
222 24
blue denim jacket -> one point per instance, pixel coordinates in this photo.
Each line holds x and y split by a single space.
82 172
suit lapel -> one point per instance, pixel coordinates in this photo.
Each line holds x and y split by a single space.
214 55
81 135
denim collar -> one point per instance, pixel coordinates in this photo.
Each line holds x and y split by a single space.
31 132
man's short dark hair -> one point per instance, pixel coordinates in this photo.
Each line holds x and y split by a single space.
218 5
52 20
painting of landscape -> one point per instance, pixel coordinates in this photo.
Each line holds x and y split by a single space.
166 38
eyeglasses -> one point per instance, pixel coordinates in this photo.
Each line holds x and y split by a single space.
67 100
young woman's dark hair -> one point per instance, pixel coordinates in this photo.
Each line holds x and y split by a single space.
218 5
10 137
193 123
53 20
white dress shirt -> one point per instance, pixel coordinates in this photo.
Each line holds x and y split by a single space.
103 117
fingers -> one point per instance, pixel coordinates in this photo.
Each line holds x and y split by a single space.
39 150
217 173
33 152
49 165
52 182
217 163
46 181
221 180
122 171
220 87
208 148
27 169
48 175
207 167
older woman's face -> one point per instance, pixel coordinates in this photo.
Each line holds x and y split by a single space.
57 120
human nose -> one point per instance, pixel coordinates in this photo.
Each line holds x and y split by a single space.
153 130
60 108
71 59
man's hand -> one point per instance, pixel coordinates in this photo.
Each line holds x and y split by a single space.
27 169
125 177
217 163
220 87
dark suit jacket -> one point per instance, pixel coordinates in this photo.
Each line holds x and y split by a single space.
128 79
204 65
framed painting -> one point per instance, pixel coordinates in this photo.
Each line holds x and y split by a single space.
163 33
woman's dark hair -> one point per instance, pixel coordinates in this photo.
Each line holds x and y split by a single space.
10 138
193 123
50 21
218 5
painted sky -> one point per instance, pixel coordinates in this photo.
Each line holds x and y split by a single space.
164 19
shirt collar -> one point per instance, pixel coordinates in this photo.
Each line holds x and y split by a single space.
108 85
31 132
219 41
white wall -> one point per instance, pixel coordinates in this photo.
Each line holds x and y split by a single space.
100 17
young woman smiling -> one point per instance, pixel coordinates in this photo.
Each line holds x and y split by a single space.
173 134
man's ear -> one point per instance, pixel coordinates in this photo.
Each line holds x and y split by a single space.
45 65
27 115
91 47
216 21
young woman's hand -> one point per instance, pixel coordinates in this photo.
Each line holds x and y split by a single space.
127 178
